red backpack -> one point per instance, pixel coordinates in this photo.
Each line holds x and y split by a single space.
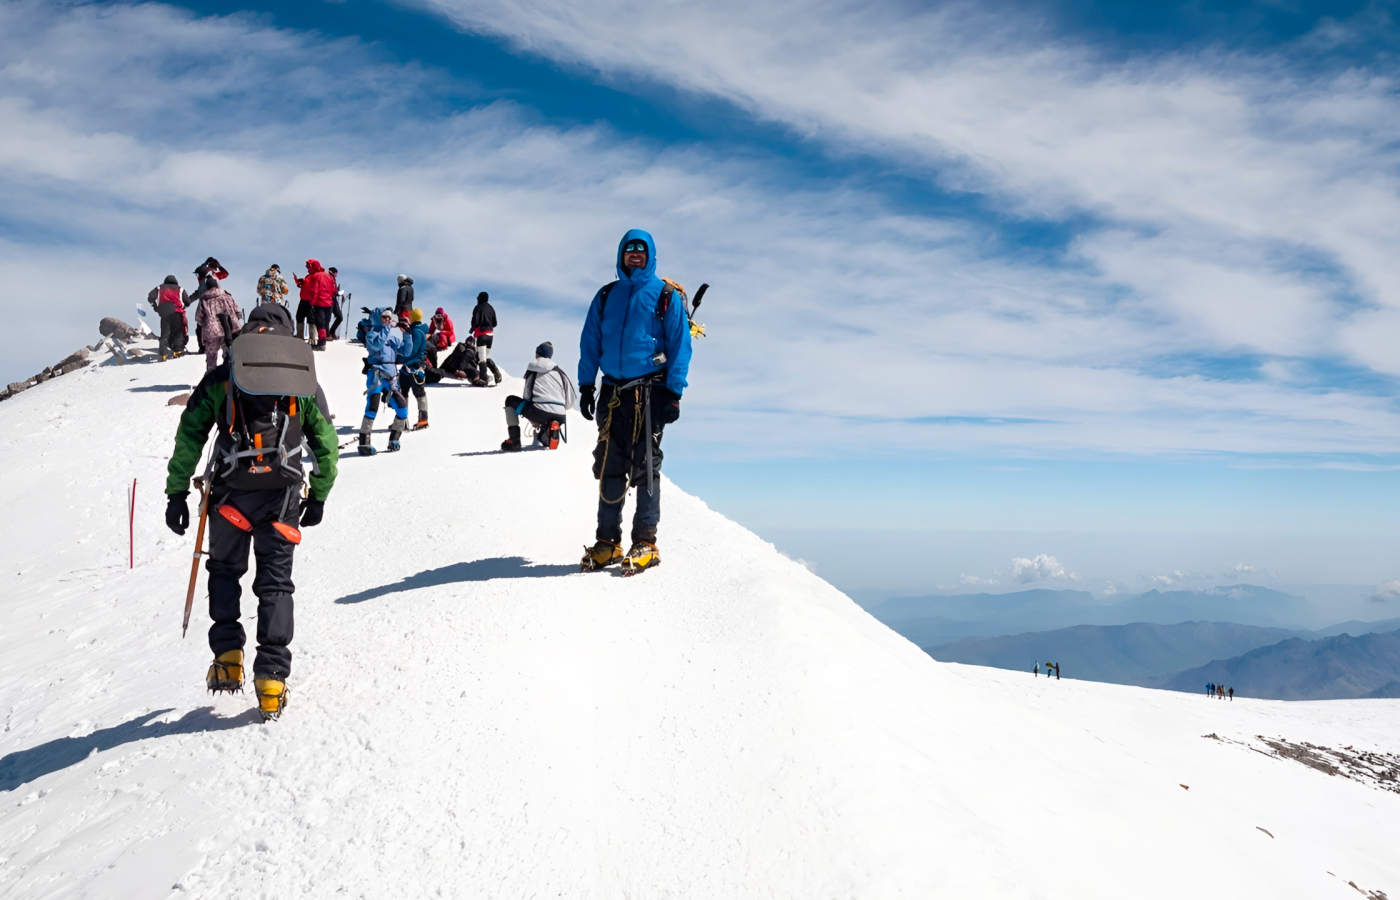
171 294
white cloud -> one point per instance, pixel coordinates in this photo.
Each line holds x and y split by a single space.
1039 568
1386 591
1239 570
974 580
1167 580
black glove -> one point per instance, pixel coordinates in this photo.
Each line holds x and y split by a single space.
311 512
177 512
365 310
668 405
586 402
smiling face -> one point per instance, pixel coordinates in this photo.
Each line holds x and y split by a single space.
634 254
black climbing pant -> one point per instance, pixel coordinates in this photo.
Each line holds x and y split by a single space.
272 583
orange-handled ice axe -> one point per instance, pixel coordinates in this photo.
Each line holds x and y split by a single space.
198 550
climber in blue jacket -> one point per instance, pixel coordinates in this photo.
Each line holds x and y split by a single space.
638 334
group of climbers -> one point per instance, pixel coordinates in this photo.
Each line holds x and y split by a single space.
218 317
636 333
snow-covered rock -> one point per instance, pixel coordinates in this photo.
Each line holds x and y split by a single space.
472 717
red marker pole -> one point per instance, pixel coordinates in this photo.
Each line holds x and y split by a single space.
131 525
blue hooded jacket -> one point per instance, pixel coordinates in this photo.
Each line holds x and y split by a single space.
623 339
415 346
383 343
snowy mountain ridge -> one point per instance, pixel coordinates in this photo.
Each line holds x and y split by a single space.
472 717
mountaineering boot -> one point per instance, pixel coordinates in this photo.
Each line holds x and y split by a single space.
422 421
226 672
641 557
491 364
554 435
512 443
600 556
396 432
365 448
394 447
272 697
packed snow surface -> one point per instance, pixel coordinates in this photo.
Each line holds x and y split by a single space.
470 716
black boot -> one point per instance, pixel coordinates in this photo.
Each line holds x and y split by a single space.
512 443
491 364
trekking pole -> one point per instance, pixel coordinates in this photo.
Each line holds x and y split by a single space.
131 526
651 485
198 551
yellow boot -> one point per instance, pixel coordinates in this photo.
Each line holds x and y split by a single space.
641 557
272 697
226 672
600 555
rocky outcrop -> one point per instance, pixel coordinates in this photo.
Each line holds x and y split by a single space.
70 363
112 327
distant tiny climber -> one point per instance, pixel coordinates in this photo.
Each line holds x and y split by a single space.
1057 671
1036 670
1231 692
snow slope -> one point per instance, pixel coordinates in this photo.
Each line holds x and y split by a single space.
472 717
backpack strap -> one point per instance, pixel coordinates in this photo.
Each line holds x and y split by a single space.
603 298
663 303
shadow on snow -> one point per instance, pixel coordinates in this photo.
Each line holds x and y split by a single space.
24 766
158 388
476 570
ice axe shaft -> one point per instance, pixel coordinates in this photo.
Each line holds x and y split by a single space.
198 552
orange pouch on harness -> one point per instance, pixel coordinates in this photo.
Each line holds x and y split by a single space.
291 534
236 518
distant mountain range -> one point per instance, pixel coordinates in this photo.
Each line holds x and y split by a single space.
1139 653
1331 668
936 620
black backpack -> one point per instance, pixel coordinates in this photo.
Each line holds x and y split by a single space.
260 436
259 446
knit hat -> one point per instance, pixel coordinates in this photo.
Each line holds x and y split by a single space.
402 279
482 297
545 350
171 279
416 316
275 266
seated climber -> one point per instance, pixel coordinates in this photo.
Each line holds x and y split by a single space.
460 364
549 395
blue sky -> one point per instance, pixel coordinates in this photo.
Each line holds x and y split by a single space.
987 269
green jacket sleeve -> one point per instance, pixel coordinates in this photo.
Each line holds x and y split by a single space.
200 413
324 443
